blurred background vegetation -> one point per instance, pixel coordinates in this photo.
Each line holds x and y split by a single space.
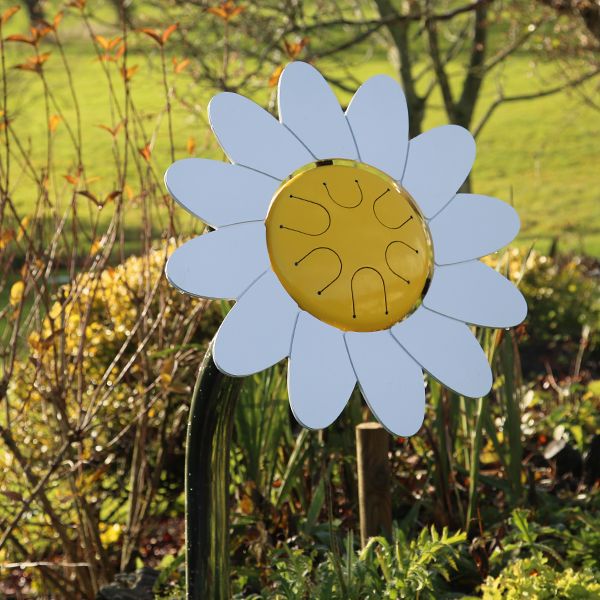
494 498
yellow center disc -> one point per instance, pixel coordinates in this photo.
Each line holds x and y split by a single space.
349 245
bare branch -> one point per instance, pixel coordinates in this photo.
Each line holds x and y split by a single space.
572 83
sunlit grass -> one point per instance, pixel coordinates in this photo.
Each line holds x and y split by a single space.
541 154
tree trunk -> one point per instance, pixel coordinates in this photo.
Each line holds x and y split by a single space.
34 10
399 32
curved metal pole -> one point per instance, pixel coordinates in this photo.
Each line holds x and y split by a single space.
207 482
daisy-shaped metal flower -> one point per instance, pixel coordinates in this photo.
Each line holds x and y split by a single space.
347 249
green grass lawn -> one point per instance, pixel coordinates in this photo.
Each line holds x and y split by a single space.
543 155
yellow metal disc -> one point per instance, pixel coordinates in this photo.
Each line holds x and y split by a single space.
349 245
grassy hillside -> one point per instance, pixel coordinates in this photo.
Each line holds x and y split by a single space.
543 155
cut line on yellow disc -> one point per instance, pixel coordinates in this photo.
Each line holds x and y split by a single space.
349 245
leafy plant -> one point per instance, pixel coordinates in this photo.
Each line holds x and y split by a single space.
535 578
419 568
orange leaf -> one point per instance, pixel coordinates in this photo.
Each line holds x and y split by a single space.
34 63
180 65
226 11
129 73
38 32
53 122
112 196
274 79
155 35
91 196
191 145
102 41
17 37
57 19
166 34
96 246
129 191
26 67
294 49
71 179
120 50
6 237
112 43
114 131
218 12
146 152
8 13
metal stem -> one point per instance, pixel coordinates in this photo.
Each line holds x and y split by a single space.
207 482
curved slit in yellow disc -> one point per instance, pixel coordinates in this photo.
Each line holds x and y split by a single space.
349 245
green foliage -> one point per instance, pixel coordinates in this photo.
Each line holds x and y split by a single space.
419 568
532 566
170 584
534 578
98 377
584 542
122 424
526 536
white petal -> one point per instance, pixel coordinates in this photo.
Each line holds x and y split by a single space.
378 117
308 106
472 226
220 193
474 293
447 350
222 263
438 163
390 380
252 137
257 332
320 375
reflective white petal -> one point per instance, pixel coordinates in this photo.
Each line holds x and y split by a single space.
474 293
390 380
447 350
378 117
308 106
438 163
252 137
257 332
222 263
220 193
320 375
472 226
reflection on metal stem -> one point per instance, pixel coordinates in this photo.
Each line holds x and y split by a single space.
207 482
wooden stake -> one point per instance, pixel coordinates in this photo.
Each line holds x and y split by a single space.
374 496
